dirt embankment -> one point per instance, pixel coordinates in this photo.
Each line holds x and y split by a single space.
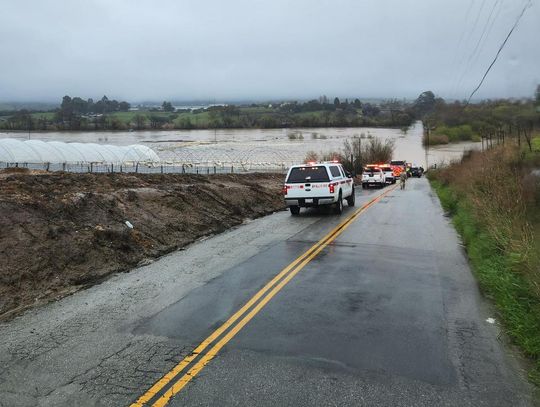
60 232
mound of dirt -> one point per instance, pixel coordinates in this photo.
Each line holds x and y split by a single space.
60 232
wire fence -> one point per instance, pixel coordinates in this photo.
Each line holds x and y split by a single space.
147 168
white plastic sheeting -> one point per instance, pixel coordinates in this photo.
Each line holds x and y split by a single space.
56 152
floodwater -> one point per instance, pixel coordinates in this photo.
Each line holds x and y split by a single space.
261 147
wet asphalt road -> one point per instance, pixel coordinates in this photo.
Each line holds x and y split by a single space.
388 314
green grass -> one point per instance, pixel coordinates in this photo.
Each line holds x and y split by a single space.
512 294
46 115
457 133
536 144
435 139
247 117
128 116
257 109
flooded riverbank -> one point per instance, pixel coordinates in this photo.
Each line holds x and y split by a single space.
261 147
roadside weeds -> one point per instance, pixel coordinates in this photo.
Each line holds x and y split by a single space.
492 207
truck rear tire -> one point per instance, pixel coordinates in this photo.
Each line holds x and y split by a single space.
338 208
351 199
295 210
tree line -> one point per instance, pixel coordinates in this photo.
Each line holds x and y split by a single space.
79 114
444 121
490 121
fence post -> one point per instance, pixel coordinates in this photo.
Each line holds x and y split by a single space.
112 168
137 168
232 169
207 170
47 167
120 168
183 169
214 169
91 167
162 168
197 170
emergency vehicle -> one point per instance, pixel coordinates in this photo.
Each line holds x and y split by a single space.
373 176
389 173
398 166
318 184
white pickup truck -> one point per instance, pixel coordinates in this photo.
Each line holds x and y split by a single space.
373 176
318 184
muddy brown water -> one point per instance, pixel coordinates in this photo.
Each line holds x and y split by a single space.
261 147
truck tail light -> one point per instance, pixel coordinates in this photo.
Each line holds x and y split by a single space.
284 189
331 186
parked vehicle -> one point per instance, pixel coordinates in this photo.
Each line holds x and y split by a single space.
388 172
398 166
373 176
318 184
401 163
416 171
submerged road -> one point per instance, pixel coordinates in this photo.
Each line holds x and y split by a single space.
377 307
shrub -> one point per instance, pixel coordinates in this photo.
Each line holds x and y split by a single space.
507 272
453 134
493 183
356 153
435 139
311 156
296 135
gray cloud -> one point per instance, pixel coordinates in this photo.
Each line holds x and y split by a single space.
240 49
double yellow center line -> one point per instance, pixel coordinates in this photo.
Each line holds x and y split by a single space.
244 314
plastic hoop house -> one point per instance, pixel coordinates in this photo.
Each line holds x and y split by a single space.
56 152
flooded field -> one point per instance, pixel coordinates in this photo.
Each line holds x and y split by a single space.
259 148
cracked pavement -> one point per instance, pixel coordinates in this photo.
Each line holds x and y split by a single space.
81 350
378 318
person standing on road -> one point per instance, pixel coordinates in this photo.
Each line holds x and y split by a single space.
403 179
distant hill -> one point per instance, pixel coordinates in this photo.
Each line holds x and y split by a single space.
39 106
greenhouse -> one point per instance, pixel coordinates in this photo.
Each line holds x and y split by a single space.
56 152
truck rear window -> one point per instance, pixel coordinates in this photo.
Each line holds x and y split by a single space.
307 175
334 170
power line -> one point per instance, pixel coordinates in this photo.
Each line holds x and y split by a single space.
529 3
466 21
484 30
456 61
474 54
489 31
469 37
462 33
477 18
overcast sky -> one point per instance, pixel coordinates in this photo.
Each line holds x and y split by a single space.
264 49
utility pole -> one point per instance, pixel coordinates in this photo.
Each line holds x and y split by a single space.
215 126
427 145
